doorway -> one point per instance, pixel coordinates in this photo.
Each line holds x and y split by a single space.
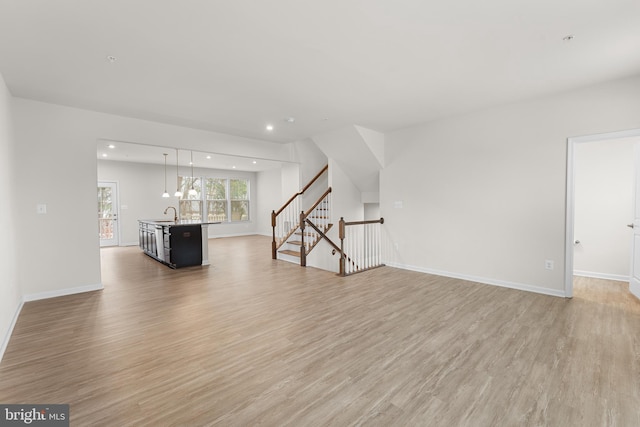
573 241
108 229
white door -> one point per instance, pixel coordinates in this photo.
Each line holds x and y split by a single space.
108 213
634 282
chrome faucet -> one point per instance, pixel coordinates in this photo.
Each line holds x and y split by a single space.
175 213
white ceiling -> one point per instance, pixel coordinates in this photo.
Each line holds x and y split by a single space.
235 66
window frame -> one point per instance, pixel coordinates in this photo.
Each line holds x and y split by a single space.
247 200
204 198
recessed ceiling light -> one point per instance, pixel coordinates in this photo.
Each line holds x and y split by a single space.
104 154
568 38
208 157
269 128
233 167
290 119
112 146
111 58
254 162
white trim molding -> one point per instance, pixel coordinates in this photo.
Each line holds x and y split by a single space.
62 292
570 199
251 233
606 276
40 296
482 280
7 337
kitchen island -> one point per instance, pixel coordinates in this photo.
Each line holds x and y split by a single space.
175 243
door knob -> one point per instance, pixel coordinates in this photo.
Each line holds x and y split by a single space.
630 225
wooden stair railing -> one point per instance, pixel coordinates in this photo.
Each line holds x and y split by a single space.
285 221
363 242
338 249
318 217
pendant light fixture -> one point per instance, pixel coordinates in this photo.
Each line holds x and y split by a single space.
165 194
178 193
192 191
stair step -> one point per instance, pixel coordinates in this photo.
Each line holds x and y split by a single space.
291 253
295 242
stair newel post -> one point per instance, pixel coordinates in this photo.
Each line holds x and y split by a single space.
303 250
274 248
341 235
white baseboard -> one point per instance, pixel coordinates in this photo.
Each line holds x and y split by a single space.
5 340
39 296
483 280
130 244
606 276
62 292
252 233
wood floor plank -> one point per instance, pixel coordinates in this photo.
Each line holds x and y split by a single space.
253 341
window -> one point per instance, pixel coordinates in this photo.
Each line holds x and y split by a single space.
223 199
190 205
239 192
217 200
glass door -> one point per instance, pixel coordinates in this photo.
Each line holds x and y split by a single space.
108 213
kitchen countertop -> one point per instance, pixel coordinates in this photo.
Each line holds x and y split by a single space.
171 223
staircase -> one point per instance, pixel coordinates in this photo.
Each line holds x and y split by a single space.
296 233
293 238
319 216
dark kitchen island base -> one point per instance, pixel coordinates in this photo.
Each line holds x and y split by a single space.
172 243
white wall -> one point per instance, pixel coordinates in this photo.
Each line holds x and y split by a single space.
371 211
269 198
56 151
345 196
310 158
10 295
356 150
603 206
140 188
290 182
483 194
57 162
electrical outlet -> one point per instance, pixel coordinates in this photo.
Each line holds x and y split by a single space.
548 264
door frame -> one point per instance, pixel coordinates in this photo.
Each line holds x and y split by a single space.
117 199
570 199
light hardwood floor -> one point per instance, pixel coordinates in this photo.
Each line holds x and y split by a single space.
251 341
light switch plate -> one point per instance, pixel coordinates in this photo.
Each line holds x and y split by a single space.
41 208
